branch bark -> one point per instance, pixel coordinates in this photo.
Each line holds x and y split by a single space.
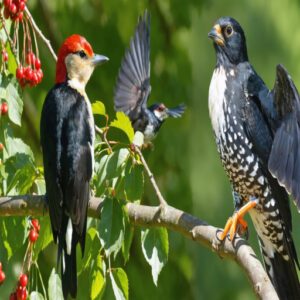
171 218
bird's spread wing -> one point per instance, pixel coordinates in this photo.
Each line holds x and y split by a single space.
284 161
133 82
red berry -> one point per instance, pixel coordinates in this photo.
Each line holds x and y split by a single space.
4 108
21 293
20 72
37 64
2 277
21 6
1 149
13 296
7 3
28 73
20 16
23 280
36 225
12 8
33 235
6 13
4 55
0 261
40 74
30 58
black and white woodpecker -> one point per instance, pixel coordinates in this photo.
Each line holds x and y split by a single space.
67 139
133 85
258 138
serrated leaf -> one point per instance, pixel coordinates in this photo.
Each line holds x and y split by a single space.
128 237
123 123
98 279
36 296
116 162
12 62
111 226
155 247
134 182
119 282
54 287
98 108
138 139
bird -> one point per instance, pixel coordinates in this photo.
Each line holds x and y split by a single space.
67 140
257 135
133 87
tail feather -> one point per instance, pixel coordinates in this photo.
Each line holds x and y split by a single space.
283 275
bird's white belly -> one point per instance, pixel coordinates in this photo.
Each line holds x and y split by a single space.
216 99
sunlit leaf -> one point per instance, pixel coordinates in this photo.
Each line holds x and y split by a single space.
123 123
55 287
134 182
119 282
155 247
138 139
116 162
111 226
36 296
98 279
98 108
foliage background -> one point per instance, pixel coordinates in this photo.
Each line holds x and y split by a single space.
184 161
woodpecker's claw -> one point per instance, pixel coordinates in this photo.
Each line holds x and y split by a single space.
236 223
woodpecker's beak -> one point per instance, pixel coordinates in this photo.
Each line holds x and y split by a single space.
216 35
98 59
176 112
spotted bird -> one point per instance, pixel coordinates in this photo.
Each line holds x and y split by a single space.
258 137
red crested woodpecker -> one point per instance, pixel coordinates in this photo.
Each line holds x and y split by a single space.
67 138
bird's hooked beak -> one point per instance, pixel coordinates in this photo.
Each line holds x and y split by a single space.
98 59
176 112
216 35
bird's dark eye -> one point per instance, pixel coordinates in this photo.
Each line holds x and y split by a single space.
81 53
228 30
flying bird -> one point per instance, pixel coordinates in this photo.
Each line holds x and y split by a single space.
67 139
133 86
258 138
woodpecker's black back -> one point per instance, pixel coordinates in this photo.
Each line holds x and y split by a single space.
133 85
252 127
67 143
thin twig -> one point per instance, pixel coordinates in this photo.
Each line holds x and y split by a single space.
40 34
160 197
171 218
11 43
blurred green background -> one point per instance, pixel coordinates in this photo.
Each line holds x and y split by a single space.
184 161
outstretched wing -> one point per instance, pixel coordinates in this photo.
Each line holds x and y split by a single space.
284 160
133 83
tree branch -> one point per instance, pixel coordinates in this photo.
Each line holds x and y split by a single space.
171 218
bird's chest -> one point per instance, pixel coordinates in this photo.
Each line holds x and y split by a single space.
236 150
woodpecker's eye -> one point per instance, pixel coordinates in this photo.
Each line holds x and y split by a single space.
81 53
228 30
161 108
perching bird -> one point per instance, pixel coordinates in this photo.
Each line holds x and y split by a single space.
67 138
258 138
133 86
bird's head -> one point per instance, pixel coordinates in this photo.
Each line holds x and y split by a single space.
76 61
229 41
162 112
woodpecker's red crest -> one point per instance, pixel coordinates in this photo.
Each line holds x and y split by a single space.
72 44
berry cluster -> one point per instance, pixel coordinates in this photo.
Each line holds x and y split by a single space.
32 74
2 274
13 9
21 293
34 231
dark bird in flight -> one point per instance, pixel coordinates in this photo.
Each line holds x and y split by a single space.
67 138
133 85
258 138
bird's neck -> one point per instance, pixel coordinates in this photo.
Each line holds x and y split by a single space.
78 85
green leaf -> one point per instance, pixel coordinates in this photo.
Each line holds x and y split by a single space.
12 62
116 162
111 226
119 282
36 296
54 287
98 279
45 236
138 139
9 91
123 123
128 237
134 182
98 108
155 247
